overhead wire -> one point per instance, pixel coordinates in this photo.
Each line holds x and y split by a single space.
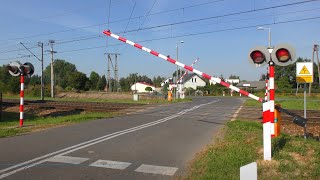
116 21
139 29
82 38
193 34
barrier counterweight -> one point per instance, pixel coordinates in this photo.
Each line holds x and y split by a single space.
189 68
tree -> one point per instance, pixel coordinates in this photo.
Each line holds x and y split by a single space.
263 77
102 83
148 89
94 78
157 81
125 83
165 89
62 70
8 83
234 77
77 80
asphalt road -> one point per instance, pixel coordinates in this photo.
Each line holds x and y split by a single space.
155 143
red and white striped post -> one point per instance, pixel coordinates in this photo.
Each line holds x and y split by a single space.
189 68
21 98
272 94
267 87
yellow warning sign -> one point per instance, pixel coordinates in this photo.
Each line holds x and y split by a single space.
304 79
304 70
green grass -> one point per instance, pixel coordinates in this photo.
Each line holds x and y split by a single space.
159 100
9 126
242 144
289 104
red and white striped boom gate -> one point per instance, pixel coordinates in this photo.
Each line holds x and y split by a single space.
189 68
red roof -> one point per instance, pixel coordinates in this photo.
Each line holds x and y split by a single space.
146 84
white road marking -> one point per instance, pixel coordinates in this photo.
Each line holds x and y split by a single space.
67 159
234 116
163 170
41 159
110 164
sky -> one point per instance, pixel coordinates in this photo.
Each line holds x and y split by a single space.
218 32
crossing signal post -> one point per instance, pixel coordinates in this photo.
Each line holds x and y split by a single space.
259 56
22 70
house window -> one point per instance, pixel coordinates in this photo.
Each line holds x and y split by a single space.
195 79
191 79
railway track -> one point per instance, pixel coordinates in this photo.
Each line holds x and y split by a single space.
313 116
67 105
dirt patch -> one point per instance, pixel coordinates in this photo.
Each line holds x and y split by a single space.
96 95
313 127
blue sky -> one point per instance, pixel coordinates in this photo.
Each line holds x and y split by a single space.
221 51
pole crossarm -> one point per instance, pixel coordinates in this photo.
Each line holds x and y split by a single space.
189 68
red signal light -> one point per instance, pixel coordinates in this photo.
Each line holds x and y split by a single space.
283 55
258 57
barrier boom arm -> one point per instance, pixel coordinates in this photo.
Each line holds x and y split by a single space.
189 68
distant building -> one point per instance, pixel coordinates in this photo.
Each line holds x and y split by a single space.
140 87
192 80
252 85
232 81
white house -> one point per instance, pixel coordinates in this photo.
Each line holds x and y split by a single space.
193 81
140 87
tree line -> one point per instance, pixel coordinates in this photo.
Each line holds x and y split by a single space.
67 77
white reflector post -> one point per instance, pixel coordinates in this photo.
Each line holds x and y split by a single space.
249 172
267 141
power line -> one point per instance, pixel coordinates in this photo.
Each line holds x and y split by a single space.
190 34
102 36
134 5
207 32
100 24
176 23
98 36
225 15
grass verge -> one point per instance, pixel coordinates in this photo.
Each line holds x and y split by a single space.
288 104
293 157
129 101
10 125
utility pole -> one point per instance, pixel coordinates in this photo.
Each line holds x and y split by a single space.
316 48
51 42
42 84
115 69
41 60
109 74
116 76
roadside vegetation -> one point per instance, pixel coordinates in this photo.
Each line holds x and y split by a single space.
241 143
292 102
292 158
144 99
9 126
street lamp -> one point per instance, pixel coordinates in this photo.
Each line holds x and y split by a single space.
269 36
178 71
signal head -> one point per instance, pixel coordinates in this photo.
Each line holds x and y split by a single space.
14 68
283 55
28 68
259 56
